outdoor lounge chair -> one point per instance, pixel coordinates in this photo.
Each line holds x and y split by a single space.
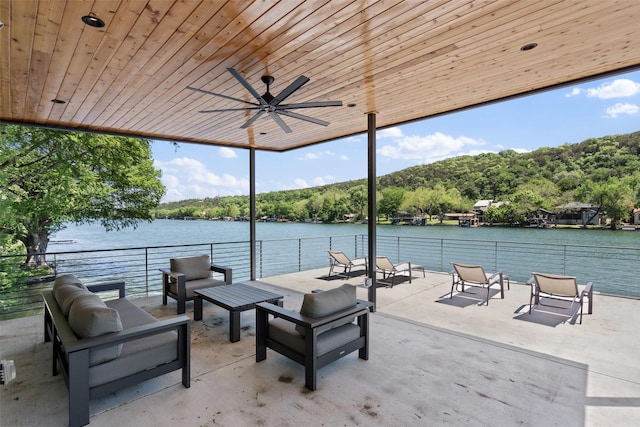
468 274
187 274
561 288
322 332
390 270
339 259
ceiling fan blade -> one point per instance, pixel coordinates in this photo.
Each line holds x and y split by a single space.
302 117
310 105
247 86
221 95
224 110
280 122
297 84
252 119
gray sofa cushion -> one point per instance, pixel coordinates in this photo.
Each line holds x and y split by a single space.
328 302
66 295
65 290
90 317
193 267
136 355
67 279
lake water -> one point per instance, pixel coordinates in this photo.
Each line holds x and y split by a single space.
171 232
608 258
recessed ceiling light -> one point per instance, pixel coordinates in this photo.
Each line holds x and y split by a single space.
1 25
263 133
529 46
58 101
93 21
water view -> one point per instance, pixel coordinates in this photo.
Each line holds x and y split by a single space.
171 232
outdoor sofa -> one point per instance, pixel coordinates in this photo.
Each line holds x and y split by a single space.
103 346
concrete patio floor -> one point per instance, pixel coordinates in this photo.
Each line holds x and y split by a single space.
433 361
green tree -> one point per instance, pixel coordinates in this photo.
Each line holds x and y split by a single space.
358 199
614 197
314 206
416 200
526 204
390 201
49 177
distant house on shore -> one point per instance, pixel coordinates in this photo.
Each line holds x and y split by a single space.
466 219
481 207
635 216
576 213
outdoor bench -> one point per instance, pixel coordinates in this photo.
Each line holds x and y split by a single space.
103 346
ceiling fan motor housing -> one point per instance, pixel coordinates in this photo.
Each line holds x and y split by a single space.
272 105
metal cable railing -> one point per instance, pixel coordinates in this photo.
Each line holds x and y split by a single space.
613 270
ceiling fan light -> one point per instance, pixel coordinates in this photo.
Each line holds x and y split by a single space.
529 46
93 21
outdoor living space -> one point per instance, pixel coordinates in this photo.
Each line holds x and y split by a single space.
433 360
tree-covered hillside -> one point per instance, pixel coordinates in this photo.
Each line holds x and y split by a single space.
603 171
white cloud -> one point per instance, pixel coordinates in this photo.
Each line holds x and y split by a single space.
323 180
320 155
309 156
619 88
620 108
574 92
227 153
187 178
300 183
429 148
394 132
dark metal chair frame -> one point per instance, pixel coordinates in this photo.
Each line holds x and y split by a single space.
310 359
181 295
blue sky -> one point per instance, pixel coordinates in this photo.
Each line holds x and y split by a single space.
569 115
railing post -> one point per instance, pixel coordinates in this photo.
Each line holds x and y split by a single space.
564 260
260 259
146 270
299 254
441 254
355 244
398 250
495 256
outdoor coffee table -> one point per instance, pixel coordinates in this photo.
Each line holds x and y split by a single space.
235 297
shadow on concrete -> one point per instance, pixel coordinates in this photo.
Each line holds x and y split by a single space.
344 276
473 295
550 315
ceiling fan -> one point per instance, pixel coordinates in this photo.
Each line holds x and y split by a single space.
272 105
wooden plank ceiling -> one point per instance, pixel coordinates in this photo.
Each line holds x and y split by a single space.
404 60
